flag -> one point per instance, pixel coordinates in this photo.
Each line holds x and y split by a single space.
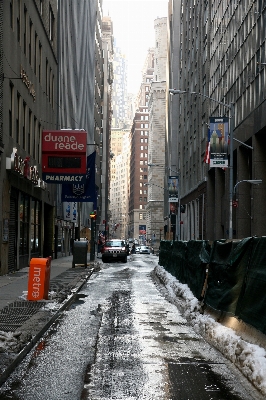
207 154
82 192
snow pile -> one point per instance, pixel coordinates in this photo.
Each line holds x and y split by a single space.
249 358
9 341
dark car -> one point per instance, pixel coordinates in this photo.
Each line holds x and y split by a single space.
114 250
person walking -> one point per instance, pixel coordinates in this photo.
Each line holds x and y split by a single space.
133 249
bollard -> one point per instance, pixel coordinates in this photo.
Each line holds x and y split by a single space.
39 278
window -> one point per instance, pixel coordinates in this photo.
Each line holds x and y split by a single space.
11 16
11 109
30 42
34 137
47 78
140 216
51 24
40 62
29 131
18 117
24 224
24 126
35 228
25 31
36 53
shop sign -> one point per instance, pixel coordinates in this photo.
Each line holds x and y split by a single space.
27 82
22 167
64 156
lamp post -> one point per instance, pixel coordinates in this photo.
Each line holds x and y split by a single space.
251 181
178 216
231 108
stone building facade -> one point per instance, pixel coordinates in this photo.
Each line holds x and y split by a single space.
220 60
156 155
28 65
139 144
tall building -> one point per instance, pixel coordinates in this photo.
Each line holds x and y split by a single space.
81 90
119 184
107 43
157 183
119 98
139 142
221 59
28 67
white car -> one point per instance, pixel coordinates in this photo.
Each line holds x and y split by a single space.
137 250
144 250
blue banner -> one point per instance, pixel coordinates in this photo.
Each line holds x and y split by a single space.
83 192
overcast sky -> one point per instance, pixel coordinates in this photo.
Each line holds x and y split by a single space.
133 24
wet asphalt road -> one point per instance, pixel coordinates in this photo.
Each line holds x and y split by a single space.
122 339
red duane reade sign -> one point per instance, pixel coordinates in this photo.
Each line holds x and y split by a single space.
64 156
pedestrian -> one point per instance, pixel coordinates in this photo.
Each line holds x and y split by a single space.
133 249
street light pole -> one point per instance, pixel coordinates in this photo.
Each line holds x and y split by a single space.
251 181
231 170
178 216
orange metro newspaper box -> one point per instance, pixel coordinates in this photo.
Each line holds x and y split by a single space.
39 278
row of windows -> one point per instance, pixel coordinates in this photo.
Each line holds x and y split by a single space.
24 127
142 216
31 44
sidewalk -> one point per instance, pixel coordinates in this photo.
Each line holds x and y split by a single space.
23 322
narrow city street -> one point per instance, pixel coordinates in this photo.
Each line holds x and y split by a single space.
123 339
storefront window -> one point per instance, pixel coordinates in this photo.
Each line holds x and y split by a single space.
24 224
35 226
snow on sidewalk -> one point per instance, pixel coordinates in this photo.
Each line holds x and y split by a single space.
249 358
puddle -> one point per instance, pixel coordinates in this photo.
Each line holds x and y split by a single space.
197 381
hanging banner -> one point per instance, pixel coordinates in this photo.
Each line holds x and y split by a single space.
83 192
218 138
70 211
173 188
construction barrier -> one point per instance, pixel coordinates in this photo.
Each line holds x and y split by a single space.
231 276
39 278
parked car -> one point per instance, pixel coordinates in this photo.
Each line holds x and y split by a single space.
137 249
144 250
114 250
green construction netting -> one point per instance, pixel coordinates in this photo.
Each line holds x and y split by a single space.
227 270
178 264
252 301
165 253
198 255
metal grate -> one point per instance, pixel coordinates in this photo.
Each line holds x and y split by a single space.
14 315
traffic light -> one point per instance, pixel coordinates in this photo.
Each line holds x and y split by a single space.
93 215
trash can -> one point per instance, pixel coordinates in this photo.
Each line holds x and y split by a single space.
39 278
80 251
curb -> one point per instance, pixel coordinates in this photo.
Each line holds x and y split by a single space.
29 346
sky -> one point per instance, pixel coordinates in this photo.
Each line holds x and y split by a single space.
133 26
